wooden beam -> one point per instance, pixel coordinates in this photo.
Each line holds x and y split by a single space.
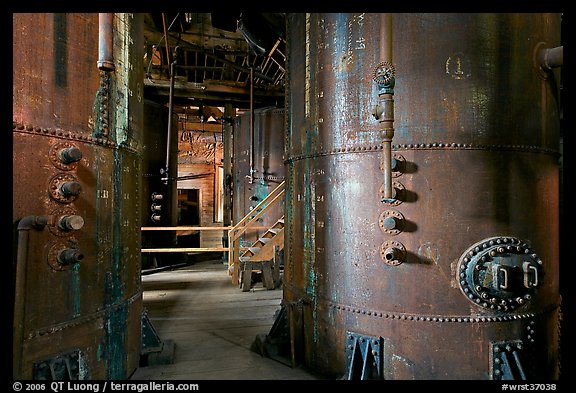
186 228
198 249
198 94
210 40
200 127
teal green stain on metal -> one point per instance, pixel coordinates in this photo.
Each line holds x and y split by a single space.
116 327
309 243
118 213
83 371
262 190
76 290
116 322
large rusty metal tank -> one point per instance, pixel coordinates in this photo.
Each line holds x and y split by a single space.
77 136
265 159
455 275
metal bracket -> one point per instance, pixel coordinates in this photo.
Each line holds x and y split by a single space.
364 357
506 361
150 340
64 366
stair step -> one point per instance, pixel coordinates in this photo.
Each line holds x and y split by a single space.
254 250
281 220
264 239
275 230
244 259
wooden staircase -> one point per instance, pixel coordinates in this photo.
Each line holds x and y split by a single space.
264 252
263 257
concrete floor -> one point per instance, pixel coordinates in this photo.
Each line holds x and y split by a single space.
212 325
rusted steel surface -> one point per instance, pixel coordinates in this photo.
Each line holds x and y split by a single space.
476 149
76 139
268 165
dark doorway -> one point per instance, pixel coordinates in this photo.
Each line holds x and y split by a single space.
188 215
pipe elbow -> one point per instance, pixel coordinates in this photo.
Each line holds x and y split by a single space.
32 222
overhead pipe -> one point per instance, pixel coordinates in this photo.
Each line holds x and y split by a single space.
384 111
25 225
105 42
166 170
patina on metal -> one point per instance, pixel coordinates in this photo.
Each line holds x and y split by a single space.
258 166
77 134
474 160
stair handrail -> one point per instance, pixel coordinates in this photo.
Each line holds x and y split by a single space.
244 224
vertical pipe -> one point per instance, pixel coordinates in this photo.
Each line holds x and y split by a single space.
386 99
170 111
166 39
24 227
252 125
227 140
291 333
105 40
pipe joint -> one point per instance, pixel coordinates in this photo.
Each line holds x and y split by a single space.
34 222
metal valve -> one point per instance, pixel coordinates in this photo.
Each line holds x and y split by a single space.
70 223
70 189
393 253
69 155
391 222
69 256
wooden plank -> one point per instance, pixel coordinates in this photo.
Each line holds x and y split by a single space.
184 249
213 325
186 228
